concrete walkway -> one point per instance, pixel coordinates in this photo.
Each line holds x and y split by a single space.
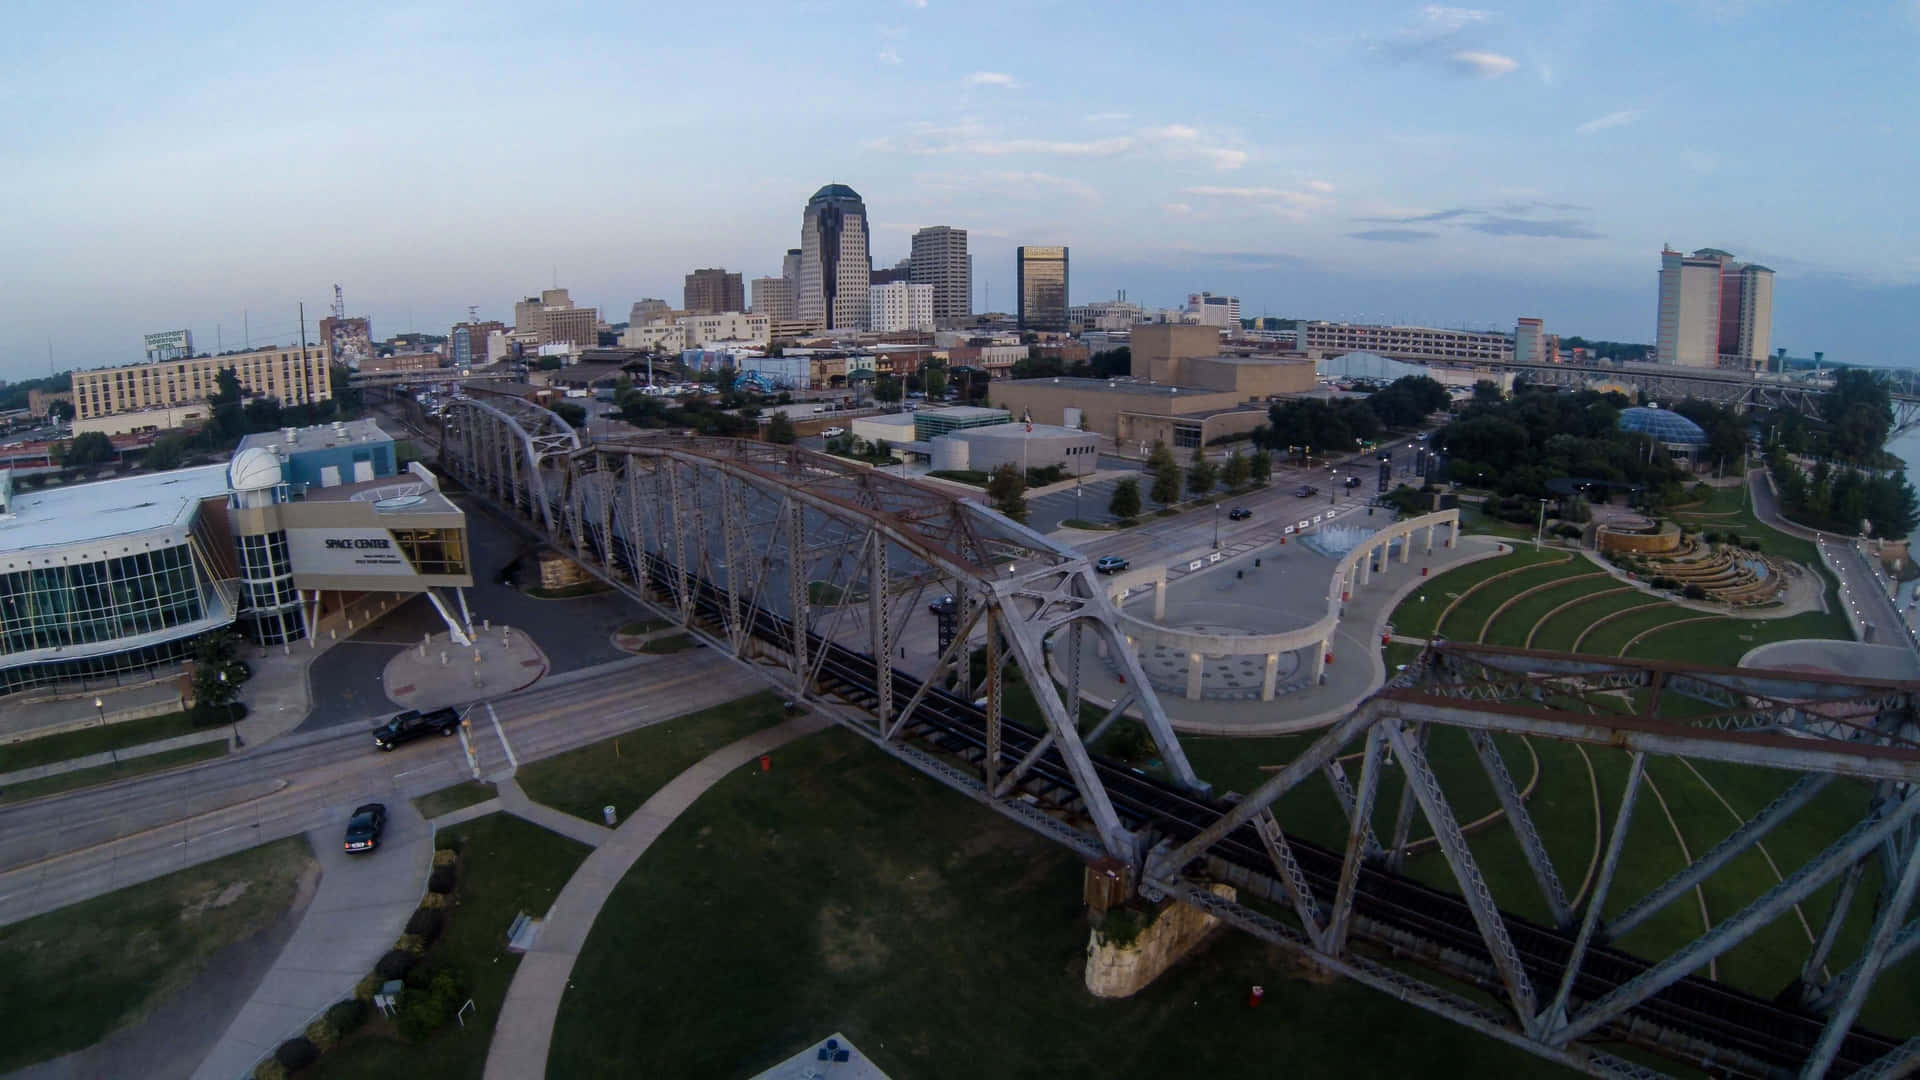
515 801
358 911
525 1030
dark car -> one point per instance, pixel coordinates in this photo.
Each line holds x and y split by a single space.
1110 564
1353 481
365 826
1239 513
942 606
412 724
1305 490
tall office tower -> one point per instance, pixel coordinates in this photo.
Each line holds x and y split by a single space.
467 342
1042 285
897 306
790 268
940 259
1210 310
773 297
1530 342
1714 310
710 292
647 310
833 260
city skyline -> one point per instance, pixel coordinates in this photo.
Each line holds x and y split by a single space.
1367 172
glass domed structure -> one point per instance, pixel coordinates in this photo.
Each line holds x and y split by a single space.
1668 427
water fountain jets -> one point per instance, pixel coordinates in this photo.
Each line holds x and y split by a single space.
1337 540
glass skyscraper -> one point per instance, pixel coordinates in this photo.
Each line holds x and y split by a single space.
1043 287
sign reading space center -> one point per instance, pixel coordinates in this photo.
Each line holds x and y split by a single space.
345 552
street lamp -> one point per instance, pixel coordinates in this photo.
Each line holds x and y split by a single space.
100 707
1216 526
235 721
1543 525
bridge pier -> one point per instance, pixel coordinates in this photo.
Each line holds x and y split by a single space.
1124 956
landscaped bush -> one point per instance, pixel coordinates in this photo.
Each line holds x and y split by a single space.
1694 592
435 901
1750 544
269 1070
1569 532
1123 925
296 1053
426 1010
394 965
1664 582
425 924
441 880
364 990
445 857
322 1035
345 1017
411 943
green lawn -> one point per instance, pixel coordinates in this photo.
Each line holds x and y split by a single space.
846 892
94 740
73 976
448 799
669 643
106 774
624 770
507 866
636 627
1416 615
1473 519
1468 620
1723 641
1517 621
1559 633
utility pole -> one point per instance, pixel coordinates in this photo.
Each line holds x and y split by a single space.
303 329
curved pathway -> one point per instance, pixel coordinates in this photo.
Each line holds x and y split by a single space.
525 1030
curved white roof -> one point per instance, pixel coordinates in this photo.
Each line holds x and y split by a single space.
254 469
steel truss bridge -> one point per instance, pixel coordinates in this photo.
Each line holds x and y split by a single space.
817 571
1741 390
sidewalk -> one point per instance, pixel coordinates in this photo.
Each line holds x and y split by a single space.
358 911
31 719
110 757
525 1030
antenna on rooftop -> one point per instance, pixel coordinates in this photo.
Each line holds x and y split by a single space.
339 303
473 313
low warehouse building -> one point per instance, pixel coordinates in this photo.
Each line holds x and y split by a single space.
1029 446
1132 414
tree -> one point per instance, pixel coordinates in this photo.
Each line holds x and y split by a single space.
1166 475
167 452
60 411
1261 467
1125 503
86 448
574 415
1007 491
217 675
887 388
622 386
1487 392
551 363
1201 473
780 429
1861 412
1237 472
933 379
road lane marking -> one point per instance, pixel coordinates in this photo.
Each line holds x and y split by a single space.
512 762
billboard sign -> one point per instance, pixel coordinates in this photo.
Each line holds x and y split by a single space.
349 341
349 552
168 345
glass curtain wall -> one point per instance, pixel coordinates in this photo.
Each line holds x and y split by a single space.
269 604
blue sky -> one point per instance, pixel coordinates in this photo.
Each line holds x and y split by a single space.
1385 161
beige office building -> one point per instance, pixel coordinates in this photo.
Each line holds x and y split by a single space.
773 297
1318 339
1135 415
552 319
294 374
1715 311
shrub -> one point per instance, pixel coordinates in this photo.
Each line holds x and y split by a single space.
1664 582
1123 925
296 1053
1750 544
322 1035
345 1017
425 924
269 1070
394 965
441 880
445 857
1694 592
364 990
424 1011
411 943
434 901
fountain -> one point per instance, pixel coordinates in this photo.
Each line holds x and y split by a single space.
1336 540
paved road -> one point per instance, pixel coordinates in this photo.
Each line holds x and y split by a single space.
60 850
1863 591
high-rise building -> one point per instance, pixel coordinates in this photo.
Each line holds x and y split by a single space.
1715 311
168 345
552 319
467 342
901 271
647 310
898 306
1533 345
293 374
710 292
833 260
1210 310
773 297
940 259
790 268
1042 284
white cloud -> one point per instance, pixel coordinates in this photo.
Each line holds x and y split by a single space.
1180 140
992 78
914 3
1207 191
1119 117
1028 182
893 33
1620 118
1178 209
888 56
1486 65
1321 186
1450 19
1088 148
1179 132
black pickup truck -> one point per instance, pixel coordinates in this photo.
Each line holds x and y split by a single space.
412 724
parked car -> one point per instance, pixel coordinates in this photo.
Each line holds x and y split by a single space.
1110 564
834 432
1305 490
365 826
942 606
819 408
1352 482
1239 513
412 724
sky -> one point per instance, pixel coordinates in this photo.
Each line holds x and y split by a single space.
213 165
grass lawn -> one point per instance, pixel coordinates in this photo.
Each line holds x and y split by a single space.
507 866
74 975
669 643
1518 620
1723 641
1560 632
448 799
636 627
846 892
94 740
1474 519
624 770
106 774
1468 620
1415 617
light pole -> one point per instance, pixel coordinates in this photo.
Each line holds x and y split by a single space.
1216 526
1542 527
237 743
100 708
1333 488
